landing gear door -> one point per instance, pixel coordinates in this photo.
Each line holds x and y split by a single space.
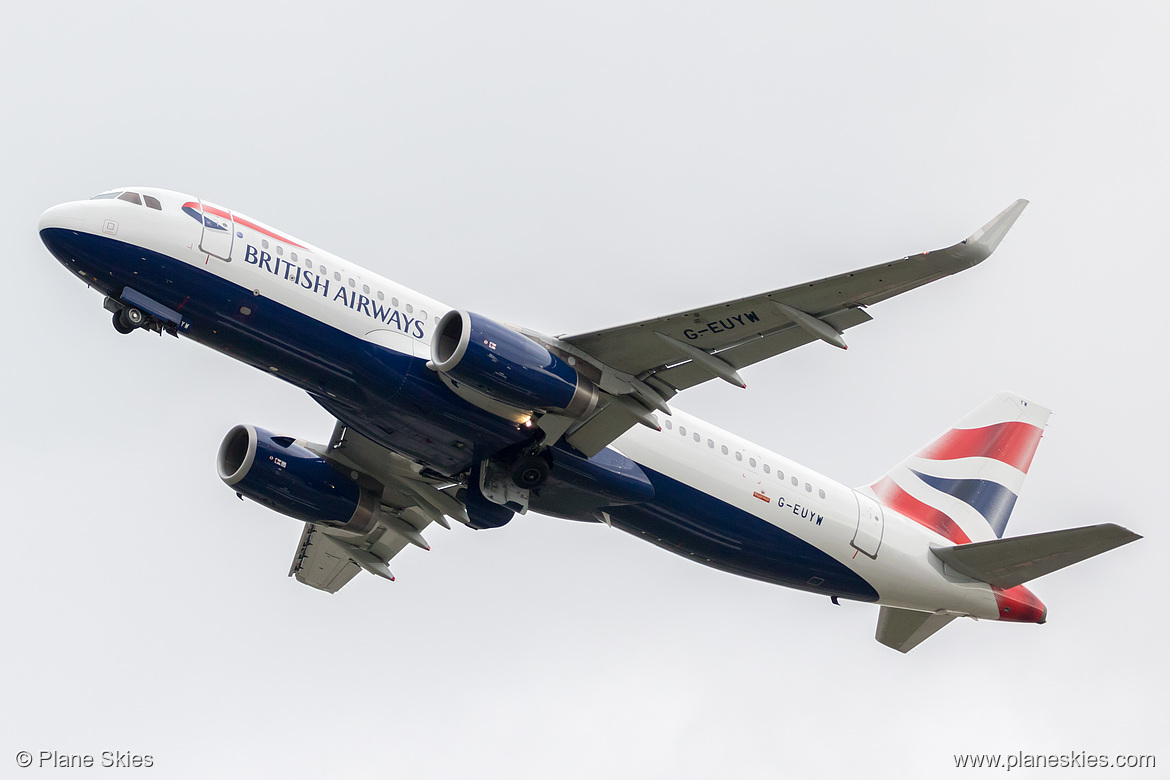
219 231
870 524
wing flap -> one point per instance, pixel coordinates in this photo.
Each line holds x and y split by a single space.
603 427
321 565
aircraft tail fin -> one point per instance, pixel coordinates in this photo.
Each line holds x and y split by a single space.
1006 563
964 484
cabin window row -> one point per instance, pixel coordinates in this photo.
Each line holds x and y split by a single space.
323 271
739 456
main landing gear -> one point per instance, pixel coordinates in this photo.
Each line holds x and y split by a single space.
530 471
128 319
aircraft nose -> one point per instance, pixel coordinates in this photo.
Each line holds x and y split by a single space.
62 228
67 216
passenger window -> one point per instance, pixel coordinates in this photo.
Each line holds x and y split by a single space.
767 469
795 482
821 493
323 271
337 276
409 309
279 250
711 443
724 449
264 243
780 475
394 302
293 255
131 197
682 431
366 289
807 488
752 461
152 202
739 456
422 315
382 297
669 425
697 437
308 263
351 284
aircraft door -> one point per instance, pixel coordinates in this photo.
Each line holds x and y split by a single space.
219 231
870 524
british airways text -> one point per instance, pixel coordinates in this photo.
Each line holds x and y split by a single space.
320 284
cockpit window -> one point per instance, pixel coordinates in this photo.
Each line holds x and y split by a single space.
152 202
131 197
107 195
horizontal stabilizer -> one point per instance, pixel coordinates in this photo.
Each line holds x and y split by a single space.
1007 563
905 629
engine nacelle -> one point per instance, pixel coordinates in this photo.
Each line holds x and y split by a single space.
507 367
293 480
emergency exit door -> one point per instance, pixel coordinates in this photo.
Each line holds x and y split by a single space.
870 524
219 231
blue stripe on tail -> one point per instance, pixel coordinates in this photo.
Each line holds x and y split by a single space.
990 499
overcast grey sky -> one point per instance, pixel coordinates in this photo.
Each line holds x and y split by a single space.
570 167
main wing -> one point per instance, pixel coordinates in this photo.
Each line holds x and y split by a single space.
652 360
409 502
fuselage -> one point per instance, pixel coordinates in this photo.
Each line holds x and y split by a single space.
358 343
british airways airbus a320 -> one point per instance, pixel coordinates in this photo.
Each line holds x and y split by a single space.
448 414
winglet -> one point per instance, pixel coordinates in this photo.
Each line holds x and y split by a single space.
988 237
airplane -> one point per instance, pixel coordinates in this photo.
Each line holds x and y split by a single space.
445 414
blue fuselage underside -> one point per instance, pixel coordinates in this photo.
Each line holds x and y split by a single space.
395 400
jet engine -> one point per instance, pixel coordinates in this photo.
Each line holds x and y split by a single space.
506 372
283 475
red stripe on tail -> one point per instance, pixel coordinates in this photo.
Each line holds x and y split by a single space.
902 502
1013 443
